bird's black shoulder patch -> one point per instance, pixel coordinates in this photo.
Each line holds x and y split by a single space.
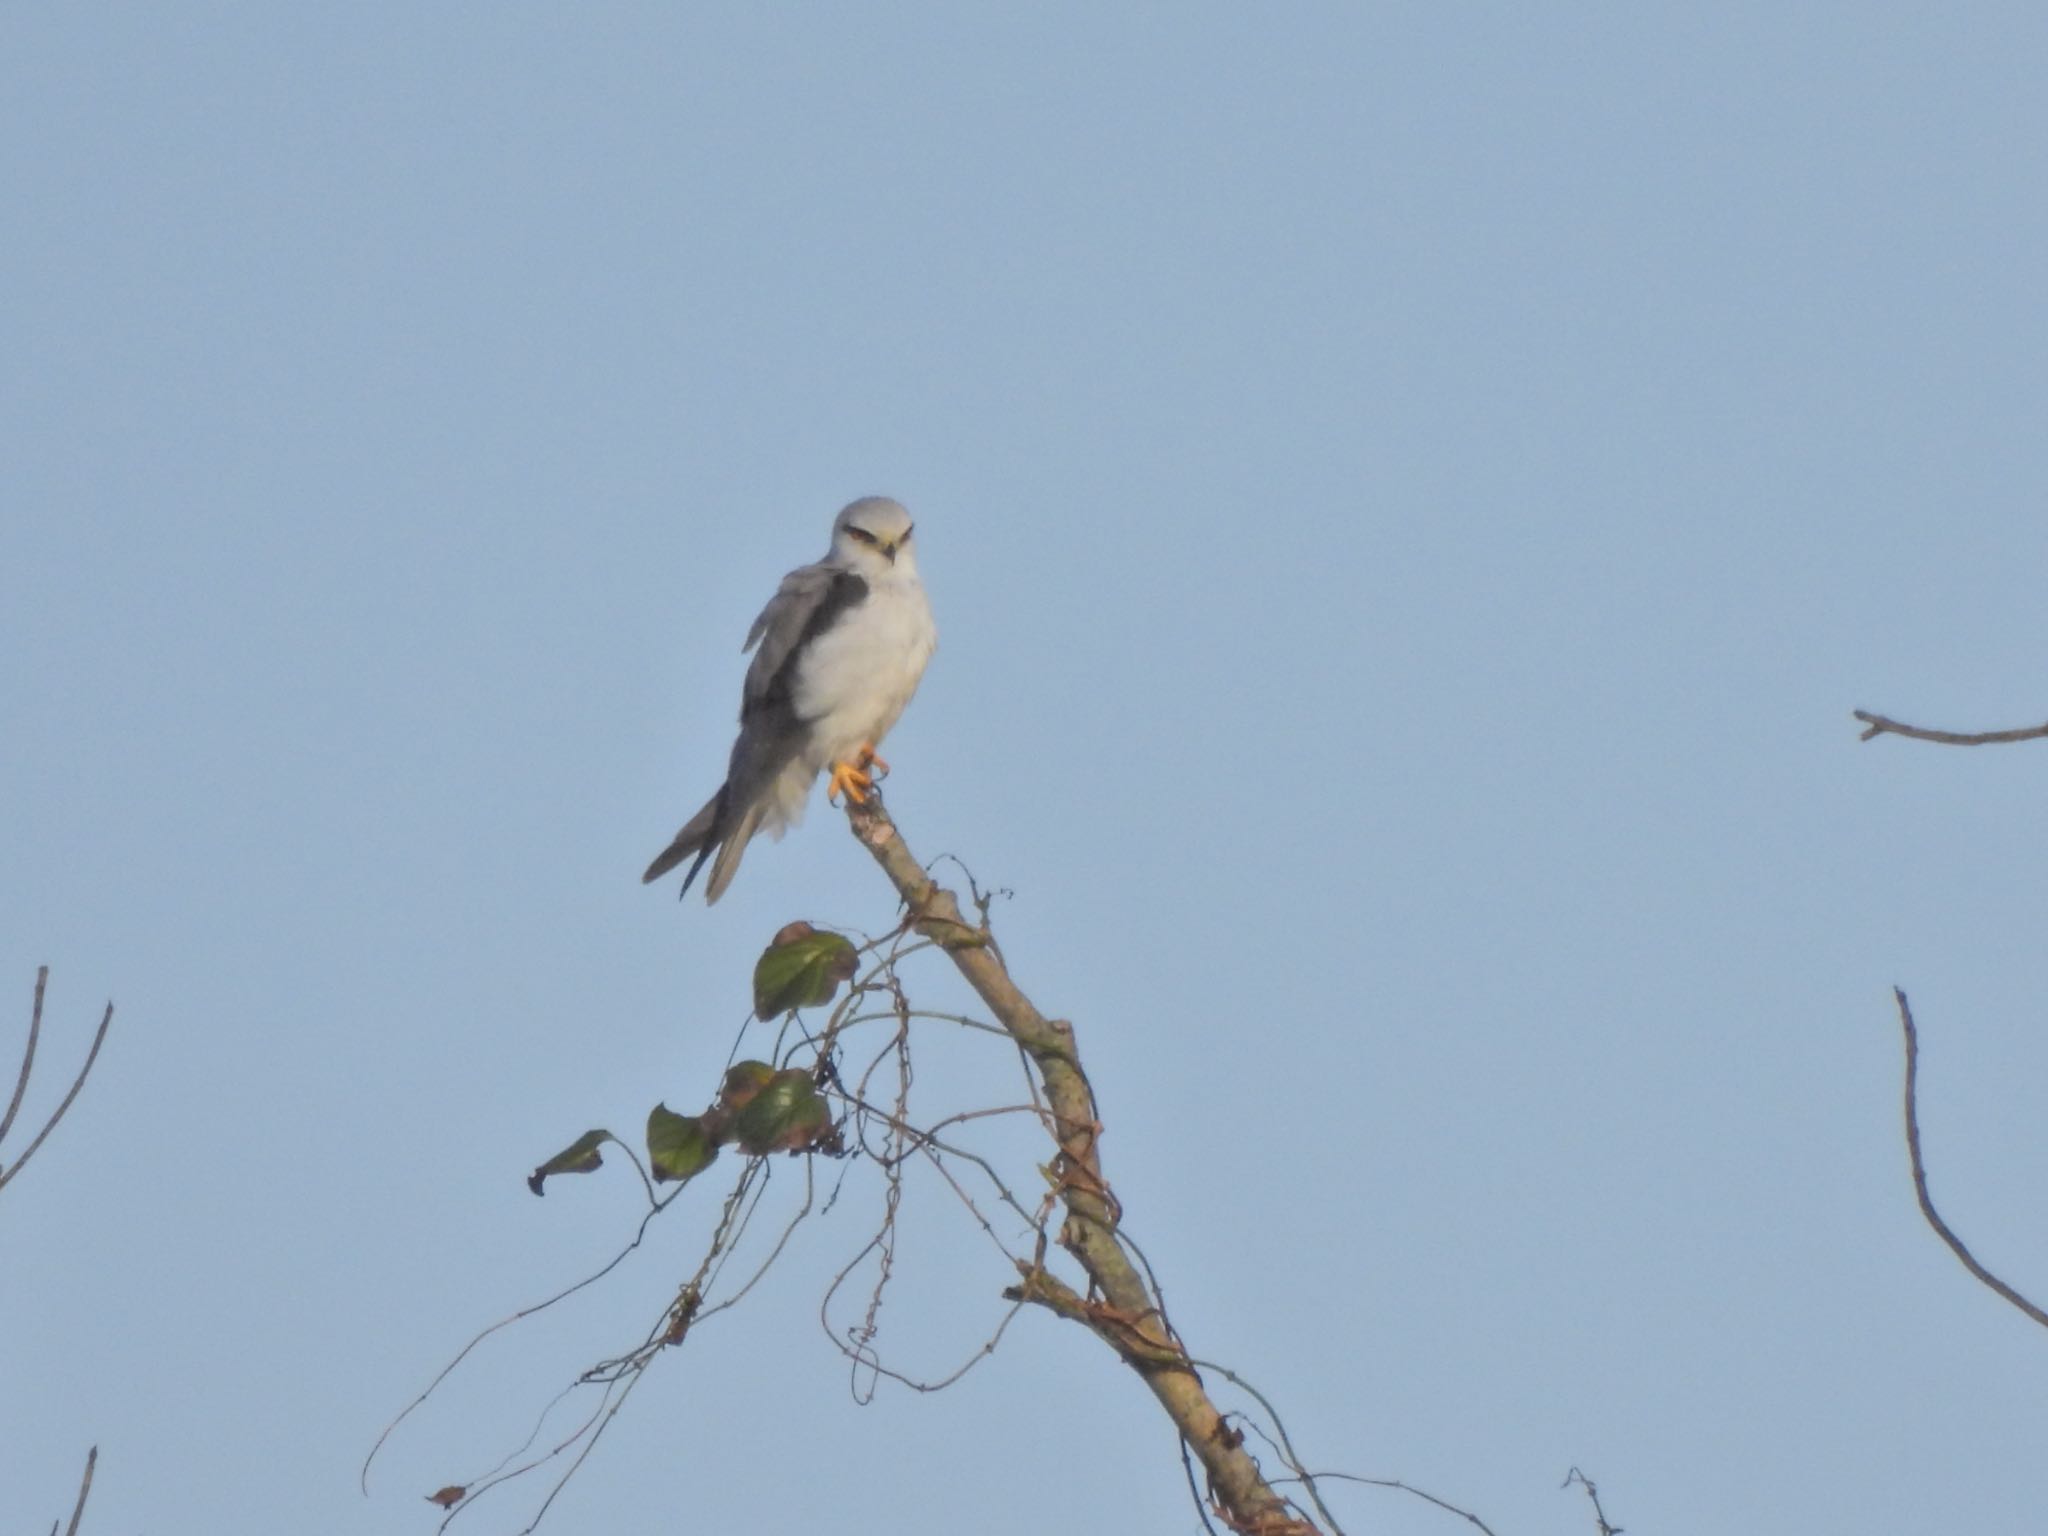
848 590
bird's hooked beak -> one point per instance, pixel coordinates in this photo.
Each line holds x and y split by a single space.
887 548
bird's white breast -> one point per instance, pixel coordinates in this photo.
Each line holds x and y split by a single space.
859 675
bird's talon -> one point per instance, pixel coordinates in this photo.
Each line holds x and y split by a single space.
850 781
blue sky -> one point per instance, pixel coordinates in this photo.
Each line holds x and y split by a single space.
1410 495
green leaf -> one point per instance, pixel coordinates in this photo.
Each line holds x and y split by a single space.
786 1114
580 1156
744 1079
802 968
676 1144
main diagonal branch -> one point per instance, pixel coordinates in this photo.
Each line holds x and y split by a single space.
1941 1228
1121 1309
1882 725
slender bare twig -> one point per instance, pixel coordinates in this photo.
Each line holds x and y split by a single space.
888 1016
1599 1514
21 1084
9 1170
789 1228
28 1054
856 1343
363 1475
1399 1487
1121 1309
1941 1228
1284 1447
1593 1494
1187 1465
616 1377
1881 725
92 1459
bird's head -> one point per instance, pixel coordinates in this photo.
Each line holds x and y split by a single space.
872 536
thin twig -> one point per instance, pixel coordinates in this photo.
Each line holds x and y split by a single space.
1187 1465
789 1229
99 1038
857 1345
930 1144
1288 1454
92 1457
363 1476
582 1456
28 1054
1941 1228
1880 725
1599 1514
585 1434
617 1376
1398 1486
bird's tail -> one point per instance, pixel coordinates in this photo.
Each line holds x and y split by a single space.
701 835
719 833
727 864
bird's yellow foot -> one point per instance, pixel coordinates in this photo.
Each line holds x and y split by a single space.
851 781
868 757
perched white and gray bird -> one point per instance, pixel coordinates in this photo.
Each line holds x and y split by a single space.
842 646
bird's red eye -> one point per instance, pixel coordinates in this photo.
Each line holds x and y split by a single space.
860 533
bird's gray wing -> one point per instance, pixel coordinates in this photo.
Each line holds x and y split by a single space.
809 602
772 733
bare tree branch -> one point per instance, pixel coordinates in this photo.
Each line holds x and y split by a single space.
1599 1514
1941 1228
92 1458
1880 725
28 1054
21 1083
9 1170
1397 1486
852 1105
1120 1309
